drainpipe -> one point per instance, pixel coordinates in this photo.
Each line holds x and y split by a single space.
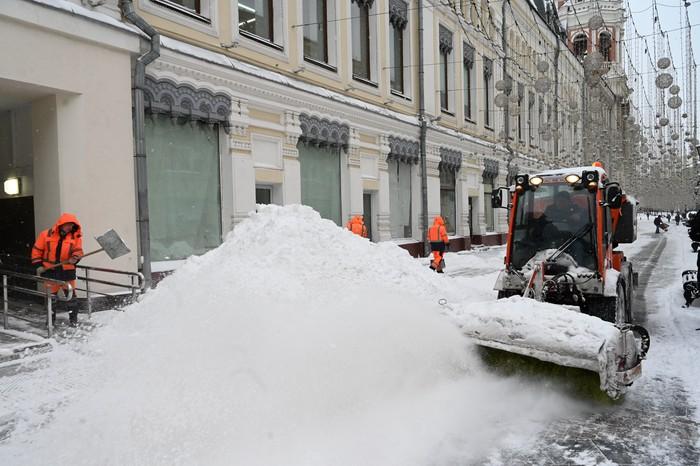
555 140
127 9
423 132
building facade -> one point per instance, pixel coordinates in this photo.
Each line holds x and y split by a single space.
315 102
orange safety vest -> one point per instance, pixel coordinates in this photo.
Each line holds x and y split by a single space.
357 226
51 248
438 232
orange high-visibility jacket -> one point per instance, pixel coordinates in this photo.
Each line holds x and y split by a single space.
357 226
51 248
438 232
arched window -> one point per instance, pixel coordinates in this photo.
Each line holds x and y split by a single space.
580 45
605 45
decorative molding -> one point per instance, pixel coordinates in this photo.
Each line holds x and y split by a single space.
467 55
488 68
384 148
445 40
166 97
450 159
398 14
239 117
403 150
363 3
490 168
290 152
323 132
238 146
292 128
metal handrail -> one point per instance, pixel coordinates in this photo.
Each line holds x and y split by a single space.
135 287
46 294
132 288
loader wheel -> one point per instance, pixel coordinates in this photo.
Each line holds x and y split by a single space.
608 309
507 293
603 308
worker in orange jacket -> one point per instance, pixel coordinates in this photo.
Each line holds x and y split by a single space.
437 235
60 244
357 226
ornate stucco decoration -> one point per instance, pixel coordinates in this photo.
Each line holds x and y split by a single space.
363 3
467 55
490 168
164 96
445 40
450 159
322 132
403 150
398 14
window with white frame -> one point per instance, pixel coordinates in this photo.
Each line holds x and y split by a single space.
468 80
531 117
488 83
361 44
256 19
316 30
445 48
398 20
196 9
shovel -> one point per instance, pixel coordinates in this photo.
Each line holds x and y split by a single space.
110 243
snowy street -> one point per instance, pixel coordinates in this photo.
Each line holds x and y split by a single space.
334 350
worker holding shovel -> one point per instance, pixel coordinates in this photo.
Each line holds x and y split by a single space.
55 253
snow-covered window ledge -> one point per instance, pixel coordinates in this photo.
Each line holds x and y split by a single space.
205 20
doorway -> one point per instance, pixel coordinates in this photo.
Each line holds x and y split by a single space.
367 213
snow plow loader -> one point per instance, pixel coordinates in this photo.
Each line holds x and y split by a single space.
564 228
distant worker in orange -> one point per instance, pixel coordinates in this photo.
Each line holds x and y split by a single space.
61 244
437 235
357 226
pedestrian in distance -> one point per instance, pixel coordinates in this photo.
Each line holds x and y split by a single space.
647 215
55 253
439 241
677 219
357 226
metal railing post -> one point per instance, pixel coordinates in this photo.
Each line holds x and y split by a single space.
87 292
49 311
133 289
4 301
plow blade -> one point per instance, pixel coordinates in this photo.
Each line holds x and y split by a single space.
560 336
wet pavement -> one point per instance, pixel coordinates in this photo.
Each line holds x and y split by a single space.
653 425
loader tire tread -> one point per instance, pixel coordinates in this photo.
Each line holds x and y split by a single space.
603 308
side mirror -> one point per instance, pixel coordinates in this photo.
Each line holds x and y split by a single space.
500 198
613 196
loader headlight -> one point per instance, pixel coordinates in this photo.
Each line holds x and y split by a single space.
536 181
572 179
521 183
590 178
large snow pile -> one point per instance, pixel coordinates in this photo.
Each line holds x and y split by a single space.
295 342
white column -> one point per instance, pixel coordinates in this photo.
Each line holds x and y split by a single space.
462 199
291 190
433 163
355 175
384 204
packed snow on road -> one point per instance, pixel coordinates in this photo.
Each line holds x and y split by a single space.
298 343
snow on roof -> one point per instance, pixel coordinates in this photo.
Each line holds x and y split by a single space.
94 15
570 171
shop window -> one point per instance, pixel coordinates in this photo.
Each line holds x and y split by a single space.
448 208
320 180
183 187
400 198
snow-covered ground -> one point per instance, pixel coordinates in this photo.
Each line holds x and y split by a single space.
294 343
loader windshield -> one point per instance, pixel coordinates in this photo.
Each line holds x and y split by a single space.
548 217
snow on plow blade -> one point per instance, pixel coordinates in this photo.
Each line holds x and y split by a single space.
557 335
